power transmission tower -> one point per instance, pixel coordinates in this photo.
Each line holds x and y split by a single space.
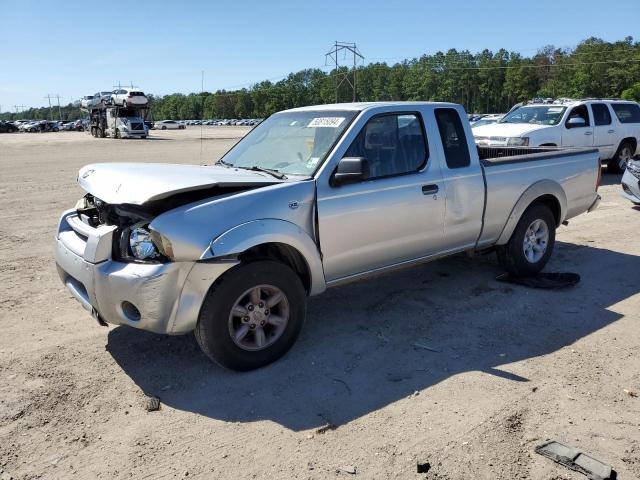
347 48
21 107
57 97
59 110
49 97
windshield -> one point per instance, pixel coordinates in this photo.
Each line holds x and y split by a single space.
539 115
293 143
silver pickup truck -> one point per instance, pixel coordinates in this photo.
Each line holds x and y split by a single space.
311 198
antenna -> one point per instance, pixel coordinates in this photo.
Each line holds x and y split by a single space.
332 55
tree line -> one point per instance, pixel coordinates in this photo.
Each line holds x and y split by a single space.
487 82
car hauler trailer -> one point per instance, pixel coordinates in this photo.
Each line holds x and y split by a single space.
117 122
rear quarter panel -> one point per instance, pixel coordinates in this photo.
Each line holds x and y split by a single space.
574 172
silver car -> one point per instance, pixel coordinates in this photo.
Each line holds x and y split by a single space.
311 198
631 182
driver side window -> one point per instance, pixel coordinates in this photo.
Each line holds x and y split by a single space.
580 112
393 144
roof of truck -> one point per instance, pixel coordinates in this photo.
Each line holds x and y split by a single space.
363 106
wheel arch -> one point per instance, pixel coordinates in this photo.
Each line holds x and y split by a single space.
634 144
546 192
274 239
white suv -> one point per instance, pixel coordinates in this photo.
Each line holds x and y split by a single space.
612 126
129 97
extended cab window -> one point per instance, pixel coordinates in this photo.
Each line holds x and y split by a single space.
601 115
392 144
627 112
454 141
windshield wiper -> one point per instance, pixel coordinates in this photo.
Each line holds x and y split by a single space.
226 164
270 171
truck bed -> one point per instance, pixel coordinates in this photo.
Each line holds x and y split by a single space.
510 171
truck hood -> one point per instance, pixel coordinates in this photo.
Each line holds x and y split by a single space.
138 183
507 129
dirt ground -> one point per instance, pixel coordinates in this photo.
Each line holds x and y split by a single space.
509 366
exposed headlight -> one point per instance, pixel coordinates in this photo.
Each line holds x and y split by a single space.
518 141
634 168
141 244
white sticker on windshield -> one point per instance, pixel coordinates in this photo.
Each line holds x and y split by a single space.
312 162
330 122
555 109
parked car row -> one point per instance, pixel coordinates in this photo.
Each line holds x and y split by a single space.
248 122
39 126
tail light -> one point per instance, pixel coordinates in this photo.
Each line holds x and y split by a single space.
599 174
129 96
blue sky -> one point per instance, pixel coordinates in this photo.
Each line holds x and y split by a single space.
72 48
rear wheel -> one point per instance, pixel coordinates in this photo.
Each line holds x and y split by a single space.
531 243
117 134
618 164
252 315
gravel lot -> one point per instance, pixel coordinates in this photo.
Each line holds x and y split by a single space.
513 366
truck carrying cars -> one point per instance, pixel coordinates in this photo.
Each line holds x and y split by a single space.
117 122
311 198
611 126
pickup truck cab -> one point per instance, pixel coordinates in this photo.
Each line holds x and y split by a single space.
311 198
611 126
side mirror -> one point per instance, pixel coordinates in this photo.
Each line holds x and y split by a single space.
576 122
350 170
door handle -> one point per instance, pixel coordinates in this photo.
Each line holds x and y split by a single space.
611 131
429 189
588 133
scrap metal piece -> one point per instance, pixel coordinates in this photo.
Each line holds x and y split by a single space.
576 460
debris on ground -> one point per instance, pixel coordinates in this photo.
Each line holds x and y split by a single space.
631 393
151 403
349 469
549 281
424 346
423 467
576 460
326 427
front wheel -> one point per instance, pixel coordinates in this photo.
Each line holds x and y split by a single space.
531 243
252 315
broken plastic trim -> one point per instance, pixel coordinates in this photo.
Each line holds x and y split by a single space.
576 460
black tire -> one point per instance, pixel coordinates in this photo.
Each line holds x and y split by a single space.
163 127
618 164
212 331
512 257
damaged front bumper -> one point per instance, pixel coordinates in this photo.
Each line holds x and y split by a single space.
158 297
